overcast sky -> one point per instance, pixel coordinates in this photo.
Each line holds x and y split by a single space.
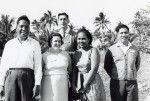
81 12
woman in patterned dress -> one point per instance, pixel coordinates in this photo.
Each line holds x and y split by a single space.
88 82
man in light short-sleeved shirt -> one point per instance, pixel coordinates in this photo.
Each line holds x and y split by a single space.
21 65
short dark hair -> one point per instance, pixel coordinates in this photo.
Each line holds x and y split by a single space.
59 14
23 17
121 26
51 37
87 33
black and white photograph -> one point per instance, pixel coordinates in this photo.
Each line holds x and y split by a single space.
75 50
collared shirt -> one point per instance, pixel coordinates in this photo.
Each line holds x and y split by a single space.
25 54
122 65
63 32
123 47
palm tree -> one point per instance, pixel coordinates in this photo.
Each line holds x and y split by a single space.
6 24
48 21
101 23
36 25
44 27
141 24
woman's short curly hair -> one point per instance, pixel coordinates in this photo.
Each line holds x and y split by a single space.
51 37
87 33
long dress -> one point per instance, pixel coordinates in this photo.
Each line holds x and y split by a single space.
54 84
95 90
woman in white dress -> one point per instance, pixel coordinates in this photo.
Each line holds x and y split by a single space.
57 64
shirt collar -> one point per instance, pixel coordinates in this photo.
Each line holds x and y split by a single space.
67 30
22 41
120 44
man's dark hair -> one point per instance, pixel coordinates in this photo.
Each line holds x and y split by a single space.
63 14
121 26
23 17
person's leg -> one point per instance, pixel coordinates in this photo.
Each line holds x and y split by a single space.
26 84
46 88
96 91
132 91
11 88
60 87
117 90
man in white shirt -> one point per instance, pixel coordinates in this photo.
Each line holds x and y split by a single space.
21 65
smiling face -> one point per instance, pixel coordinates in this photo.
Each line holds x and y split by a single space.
22 30
82 40
56 42
123 34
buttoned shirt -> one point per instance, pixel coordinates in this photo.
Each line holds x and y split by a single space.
121 65
22 54
124 47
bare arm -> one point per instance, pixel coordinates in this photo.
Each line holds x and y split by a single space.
95 59
37 64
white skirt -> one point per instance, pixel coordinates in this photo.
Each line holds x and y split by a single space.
54 88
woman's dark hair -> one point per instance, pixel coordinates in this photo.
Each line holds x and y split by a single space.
87 33
51 37
121 26
23 17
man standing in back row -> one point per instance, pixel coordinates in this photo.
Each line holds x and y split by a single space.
122 62
21 65
66 32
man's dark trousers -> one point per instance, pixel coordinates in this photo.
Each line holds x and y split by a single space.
19 84
123 90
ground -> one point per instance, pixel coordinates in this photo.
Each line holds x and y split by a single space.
143 79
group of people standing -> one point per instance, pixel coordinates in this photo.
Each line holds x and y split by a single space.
68 70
